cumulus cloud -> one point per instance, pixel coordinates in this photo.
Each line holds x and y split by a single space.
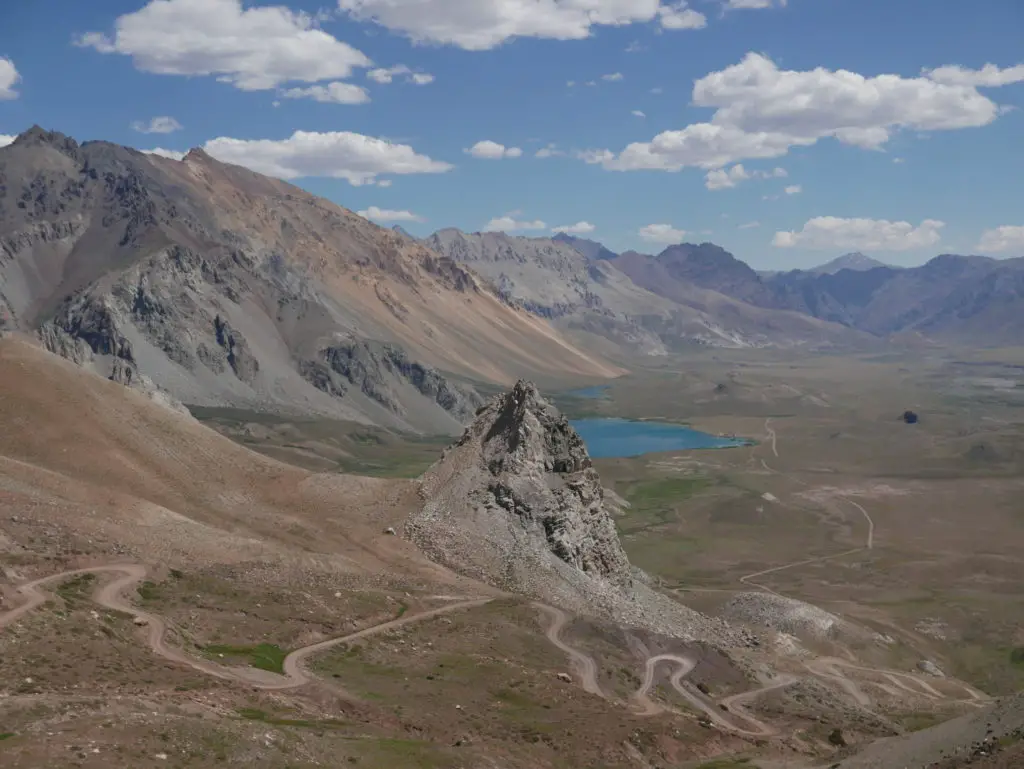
580 228
479 25
9 77
793 189
330 93
678 16
387 215
664 234
613 77
749 226
989 76
345 155
762 111
638 113
385 75
1002 239
549 151
6 139
157 125
488 150
172 154
831 232
721 179
508 223
256 48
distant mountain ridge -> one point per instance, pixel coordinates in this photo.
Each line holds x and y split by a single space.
604 303
853 261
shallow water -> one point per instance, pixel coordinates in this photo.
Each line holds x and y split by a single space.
607 438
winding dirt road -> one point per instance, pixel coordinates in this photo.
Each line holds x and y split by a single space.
586 669
112 596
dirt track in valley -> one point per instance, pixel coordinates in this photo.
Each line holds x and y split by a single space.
112 596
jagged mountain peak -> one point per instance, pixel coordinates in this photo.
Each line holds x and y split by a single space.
517 500
517 503
37 135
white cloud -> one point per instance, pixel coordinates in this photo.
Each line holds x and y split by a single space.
385 75
9 77
657 90
762 111
508 223
580 228
479 25
665 234
488 150
172 154
737 5
345 155
1002 239
256 48
635 47
570 83
830 232
330 93
638 113
614 77
6 139
793 189
989 76
899 160
749 226
720 178
678 16
383 182
549 151
386 215
158 125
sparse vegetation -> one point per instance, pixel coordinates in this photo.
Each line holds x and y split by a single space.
263 656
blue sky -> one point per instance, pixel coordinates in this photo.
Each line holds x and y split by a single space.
788 132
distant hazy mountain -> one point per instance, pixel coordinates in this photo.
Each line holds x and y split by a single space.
966 298
223 287
589 248
854 261
602 298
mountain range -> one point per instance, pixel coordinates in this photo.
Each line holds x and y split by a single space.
205 283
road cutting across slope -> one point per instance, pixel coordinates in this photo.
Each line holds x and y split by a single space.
112 596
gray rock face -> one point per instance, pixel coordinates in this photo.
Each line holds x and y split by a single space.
377 370
517 503
541 475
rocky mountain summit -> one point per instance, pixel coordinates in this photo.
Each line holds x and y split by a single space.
517 503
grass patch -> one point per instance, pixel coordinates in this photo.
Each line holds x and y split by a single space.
148 591
7 735
76 588
254 714
654 502
1017 657
263 656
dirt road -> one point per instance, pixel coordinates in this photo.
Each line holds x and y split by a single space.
586 669
112 596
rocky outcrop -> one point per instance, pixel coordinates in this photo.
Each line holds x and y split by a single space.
378 369
517 503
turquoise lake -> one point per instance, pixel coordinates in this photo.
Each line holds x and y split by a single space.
607 438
